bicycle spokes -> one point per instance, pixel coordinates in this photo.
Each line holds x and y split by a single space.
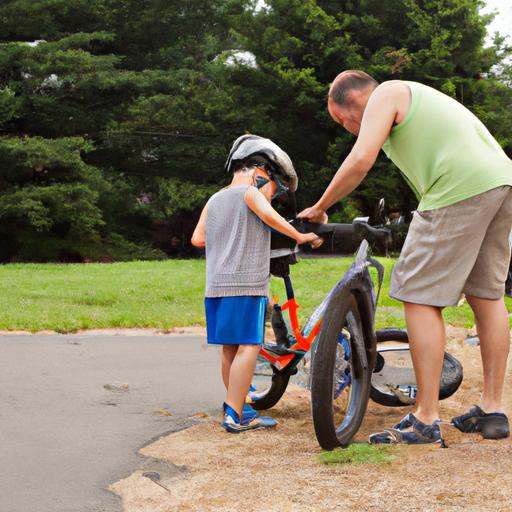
345 387
342 373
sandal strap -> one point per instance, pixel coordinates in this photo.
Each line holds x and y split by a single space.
395 436
406 422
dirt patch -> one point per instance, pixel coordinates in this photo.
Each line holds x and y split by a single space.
280 470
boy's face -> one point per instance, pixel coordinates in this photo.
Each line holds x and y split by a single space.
269 188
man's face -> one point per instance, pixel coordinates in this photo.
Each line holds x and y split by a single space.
349 118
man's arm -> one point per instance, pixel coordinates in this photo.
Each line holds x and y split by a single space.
377 122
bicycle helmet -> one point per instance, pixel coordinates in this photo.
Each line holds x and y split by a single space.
281 165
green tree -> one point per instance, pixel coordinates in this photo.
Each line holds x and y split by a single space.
117 118
100 75
300 46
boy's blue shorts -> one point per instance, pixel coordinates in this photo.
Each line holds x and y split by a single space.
235 320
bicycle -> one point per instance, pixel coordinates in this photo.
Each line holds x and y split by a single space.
337 348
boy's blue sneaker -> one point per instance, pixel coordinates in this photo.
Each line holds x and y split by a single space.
251 395
248 413
233 424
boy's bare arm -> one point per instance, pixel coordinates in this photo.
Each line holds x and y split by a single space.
258 203
199 235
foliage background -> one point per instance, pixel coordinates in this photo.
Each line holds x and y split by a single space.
116 119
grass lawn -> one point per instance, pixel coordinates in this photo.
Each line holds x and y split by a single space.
160 294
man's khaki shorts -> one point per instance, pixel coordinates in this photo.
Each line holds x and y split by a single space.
463 248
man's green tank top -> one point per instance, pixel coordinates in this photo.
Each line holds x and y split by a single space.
445 152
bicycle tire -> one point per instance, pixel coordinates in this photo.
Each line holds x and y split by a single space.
450 380
344 314
269 397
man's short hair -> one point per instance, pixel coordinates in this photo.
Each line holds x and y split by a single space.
347 81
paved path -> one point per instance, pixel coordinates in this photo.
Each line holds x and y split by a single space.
68 426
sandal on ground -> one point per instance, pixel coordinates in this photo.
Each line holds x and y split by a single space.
493 425
409 430
233 424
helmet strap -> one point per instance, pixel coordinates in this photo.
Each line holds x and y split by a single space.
260 181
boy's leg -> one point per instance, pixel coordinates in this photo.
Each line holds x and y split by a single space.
491 319
240 376
228 354
425 327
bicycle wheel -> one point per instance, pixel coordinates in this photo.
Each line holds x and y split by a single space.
393 381
340 384
270 384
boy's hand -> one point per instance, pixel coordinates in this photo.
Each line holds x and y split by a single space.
314 240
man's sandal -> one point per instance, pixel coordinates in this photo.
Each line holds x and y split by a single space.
493 425
409 430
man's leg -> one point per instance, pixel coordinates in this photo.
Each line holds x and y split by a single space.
425 327
491 319
240 376
228 354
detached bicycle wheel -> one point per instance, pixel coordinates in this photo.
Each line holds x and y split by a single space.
270 384
340 384
393 380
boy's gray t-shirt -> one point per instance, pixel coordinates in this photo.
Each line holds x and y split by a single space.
237 246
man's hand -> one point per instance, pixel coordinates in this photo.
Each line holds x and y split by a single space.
314 214
314 240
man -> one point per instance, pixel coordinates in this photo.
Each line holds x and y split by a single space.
457 241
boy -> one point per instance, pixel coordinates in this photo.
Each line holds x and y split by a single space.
234 227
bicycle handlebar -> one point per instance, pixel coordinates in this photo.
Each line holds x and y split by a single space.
335 229
334 234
